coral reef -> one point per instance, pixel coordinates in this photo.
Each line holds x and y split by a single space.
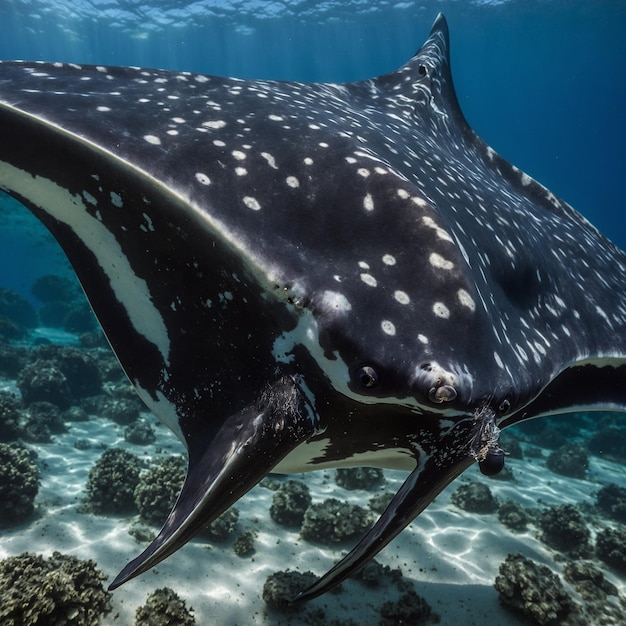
290 502
611 500
141 533
221 528
332 521
611 547
380 502
123 411
10 428
140 433
371 573
475 498
19 484
281 588
58 591
570 460
564 529
12 359
80 318
17 309
588 580
112 482
76 414
512 515
54 288
78 366
535 592
53 314
40 421
158 489
602 602
42 381
10 330
63 306
244 544
164 607
410 608
609 442
360 478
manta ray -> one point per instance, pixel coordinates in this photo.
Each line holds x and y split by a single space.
297 276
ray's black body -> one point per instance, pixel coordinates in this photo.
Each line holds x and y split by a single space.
297 275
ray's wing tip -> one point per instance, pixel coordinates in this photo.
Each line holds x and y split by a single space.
118 581
128 572
307 594
440 25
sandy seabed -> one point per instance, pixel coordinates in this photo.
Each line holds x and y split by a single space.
451 556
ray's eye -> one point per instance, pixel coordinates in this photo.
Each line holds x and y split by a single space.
366 376
505 405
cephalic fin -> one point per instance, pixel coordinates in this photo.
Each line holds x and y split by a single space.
247 446
418 490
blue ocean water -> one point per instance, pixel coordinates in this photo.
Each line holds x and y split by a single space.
541 81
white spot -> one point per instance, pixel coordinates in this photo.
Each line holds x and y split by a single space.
203 179
466 300
441 233
214 124
389 259
363 265
336 301
89 198
239 155
401 296
351 160
153 139
148 222
308 161
363 172
219 143
275 118
403 193
178 120
441 310
116 200
293 182
103 109
419 201
368 203
422 338
252 203
388 327
436 260
241 171
498 360
322 144
368 279
270 159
